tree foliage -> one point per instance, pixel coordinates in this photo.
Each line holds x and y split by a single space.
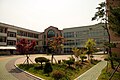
90 45
101 13
41 60
23 46
76 52
56 43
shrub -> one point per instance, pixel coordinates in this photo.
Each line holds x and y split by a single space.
48 68
59 61
72 58
83 57
41 60
57 74
69 62
78 64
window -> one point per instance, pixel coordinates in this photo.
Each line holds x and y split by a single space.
11 34
50 34
69 42
3 30
69 34
35 35
2 39
11 42
67 50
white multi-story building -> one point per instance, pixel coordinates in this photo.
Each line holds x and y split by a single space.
75 37
10 34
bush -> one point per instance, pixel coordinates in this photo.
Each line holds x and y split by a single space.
69 62
48 68
83 57
59 61
57 74
41 60
78 64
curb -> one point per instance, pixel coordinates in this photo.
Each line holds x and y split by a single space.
38 78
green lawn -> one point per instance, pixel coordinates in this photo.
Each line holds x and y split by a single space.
71 73
106 73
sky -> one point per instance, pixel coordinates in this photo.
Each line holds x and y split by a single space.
38 15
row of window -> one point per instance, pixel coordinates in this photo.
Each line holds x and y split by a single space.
87 33
68 50
12 42
82 41
69 42
9 42
21 33
27 34
68 34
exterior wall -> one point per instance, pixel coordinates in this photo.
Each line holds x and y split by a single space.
76 37
114 38
57 33
12 34
41 39
47 35
3 35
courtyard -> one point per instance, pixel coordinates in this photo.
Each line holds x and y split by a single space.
10 72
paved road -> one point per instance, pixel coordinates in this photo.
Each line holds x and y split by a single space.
4 74
93 73
10 72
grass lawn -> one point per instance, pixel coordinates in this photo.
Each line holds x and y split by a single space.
106 73
70 72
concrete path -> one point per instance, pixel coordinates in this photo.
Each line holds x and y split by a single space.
94 72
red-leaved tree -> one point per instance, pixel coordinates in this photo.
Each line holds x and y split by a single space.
24 47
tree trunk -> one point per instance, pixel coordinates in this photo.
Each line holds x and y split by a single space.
52 58
88 57
110 52
27 59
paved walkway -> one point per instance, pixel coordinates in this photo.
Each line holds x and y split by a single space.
94 72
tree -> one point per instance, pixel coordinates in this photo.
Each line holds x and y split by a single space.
114 20
56 45
76 52
41 60
48 68
101 14
90 45
24 47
